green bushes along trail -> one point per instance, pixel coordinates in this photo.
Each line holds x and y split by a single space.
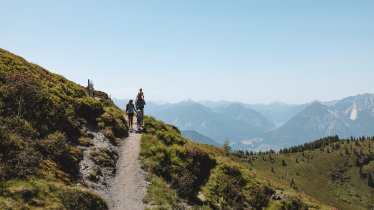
44 120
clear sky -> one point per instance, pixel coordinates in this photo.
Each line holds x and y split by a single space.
243 50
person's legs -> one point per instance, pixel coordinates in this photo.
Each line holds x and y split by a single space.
142 117
138 119
131 117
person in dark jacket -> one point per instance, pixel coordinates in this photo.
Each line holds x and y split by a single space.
140 103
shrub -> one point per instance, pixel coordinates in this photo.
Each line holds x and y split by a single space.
40 194
185 166
195 173
113 123
84 141
79 199
292 203
104 157
230 188
55 147
19 159
95 174
89 109
23 164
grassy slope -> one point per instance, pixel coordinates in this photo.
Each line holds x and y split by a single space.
43 117
185 174
329 176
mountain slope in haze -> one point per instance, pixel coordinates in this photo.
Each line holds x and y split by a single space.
48 127
330 170
199 138
278 112
352 116
240 123
358 112
315 121
186 175
248 116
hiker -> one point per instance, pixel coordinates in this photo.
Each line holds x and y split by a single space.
140 102
130 110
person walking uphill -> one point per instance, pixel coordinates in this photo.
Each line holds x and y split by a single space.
140 103
130 110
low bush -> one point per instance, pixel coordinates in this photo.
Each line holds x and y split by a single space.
84 141
231 188
104 157
113 123
55 147
89 109
40 194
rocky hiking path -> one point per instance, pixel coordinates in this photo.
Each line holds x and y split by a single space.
128 187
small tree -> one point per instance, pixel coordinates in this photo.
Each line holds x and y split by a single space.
272 169
226 147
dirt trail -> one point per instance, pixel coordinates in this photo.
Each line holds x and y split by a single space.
128 187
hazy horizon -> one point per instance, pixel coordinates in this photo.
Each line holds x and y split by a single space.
244 102
248 51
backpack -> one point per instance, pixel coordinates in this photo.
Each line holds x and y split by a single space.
140 103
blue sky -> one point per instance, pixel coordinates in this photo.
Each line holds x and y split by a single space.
244 50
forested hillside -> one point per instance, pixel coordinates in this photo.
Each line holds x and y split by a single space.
331 170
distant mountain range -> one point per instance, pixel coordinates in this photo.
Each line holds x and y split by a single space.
352 116
272 126
276 112
233 122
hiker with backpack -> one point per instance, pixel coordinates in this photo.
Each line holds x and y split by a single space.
140 103
130 110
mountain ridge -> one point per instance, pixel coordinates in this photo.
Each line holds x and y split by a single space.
350 116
